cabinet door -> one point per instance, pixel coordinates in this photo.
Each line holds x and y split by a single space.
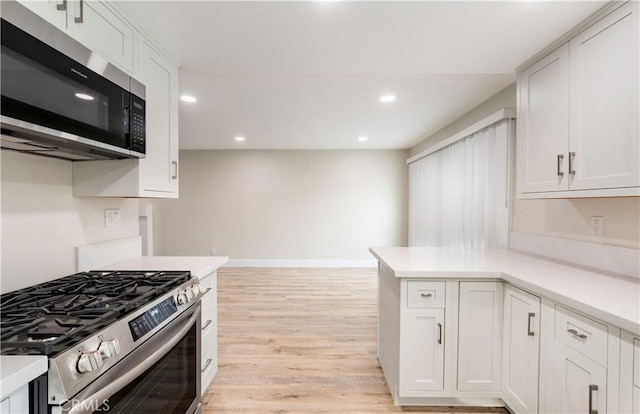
521 350
53 11
580 385
543 124
100 29
17 402
604 102
629 372
421 351
159 170
480 336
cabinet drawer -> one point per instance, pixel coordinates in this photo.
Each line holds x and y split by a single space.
208 285
209 360
582 334
208 315
422 294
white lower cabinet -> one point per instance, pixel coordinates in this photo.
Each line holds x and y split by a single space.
17 402
630 373
462 342
421 351
209 334
480 336
521 350
580 384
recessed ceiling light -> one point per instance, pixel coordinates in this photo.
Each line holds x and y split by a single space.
387 98
239 139
188 98
84 96
362 139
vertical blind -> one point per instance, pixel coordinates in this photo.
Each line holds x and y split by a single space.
459 195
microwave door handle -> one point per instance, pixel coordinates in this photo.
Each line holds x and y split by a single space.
104 389
126 116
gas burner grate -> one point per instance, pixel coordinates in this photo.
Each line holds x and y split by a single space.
48 318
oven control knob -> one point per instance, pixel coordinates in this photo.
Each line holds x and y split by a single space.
109 348
90 361
194 291
182 298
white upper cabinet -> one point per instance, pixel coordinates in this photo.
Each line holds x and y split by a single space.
156 175
578 122
159 170
94 24
543 123
101 29
604 103
53 11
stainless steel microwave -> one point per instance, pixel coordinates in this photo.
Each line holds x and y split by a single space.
61 100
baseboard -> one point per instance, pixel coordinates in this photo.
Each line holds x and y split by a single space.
301 263
622 260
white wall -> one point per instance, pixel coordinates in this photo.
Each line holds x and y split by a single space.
563 218
285 205
42 222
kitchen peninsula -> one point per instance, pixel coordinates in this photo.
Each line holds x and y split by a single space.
485 327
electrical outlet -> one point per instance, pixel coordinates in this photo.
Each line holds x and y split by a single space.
597 225
213 252
112 217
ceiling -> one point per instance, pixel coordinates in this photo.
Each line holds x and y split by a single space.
309 74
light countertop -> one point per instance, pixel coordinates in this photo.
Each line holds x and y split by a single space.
200 266
16 371
612 298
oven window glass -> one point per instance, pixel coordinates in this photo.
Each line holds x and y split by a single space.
168 387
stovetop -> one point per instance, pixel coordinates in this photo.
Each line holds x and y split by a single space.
49 318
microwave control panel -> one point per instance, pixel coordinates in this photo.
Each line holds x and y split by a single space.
137 125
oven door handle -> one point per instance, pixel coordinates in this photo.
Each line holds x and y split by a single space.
100 391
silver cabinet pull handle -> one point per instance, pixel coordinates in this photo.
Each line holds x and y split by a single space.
560 158
439 333
207 291
206 365
175 170
575 333
79 18
61 5
206 324
572 156
426 295
592 388
529 331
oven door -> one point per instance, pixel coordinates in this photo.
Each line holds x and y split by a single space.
160 376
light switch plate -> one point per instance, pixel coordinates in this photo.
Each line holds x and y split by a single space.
112 217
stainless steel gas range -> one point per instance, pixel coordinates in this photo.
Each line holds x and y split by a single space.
117 342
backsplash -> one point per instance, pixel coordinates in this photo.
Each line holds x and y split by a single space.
42 222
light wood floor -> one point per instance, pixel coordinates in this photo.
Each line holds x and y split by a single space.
299 341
